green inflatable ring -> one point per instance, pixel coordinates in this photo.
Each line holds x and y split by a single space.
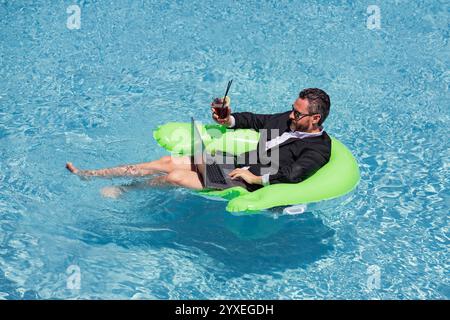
338 177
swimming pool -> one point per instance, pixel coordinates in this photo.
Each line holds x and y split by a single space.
92 93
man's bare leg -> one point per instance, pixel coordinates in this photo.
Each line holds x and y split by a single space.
165 164
116 191
184 178
181 178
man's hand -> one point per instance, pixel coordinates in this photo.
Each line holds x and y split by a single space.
245 175
223 118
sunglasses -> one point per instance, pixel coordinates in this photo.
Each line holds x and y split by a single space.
298 115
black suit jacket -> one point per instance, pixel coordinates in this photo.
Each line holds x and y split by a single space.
298 158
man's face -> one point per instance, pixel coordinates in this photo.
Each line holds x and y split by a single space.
304 124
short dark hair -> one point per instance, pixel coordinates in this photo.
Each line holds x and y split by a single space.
318 102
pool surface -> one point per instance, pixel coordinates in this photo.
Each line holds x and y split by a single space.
93 92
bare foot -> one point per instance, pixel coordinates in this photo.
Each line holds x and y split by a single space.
111 192
72 168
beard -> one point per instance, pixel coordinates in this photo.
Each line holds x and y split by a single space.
297 126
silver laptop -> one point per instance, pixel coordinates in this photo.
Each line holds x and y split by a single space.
214 175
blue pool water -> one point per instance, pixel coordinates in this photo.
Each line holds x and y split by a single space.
93 95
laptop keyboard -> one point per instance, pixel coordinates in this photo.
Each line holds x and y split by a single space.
214 173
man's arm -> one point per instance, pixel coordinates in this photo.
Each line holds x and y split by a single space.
306 164
239 120
248 120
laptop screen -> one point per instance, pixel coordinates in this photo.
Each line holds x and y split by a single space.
197 148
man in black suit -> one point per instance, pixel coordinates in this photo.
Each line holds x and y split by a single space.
296 137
